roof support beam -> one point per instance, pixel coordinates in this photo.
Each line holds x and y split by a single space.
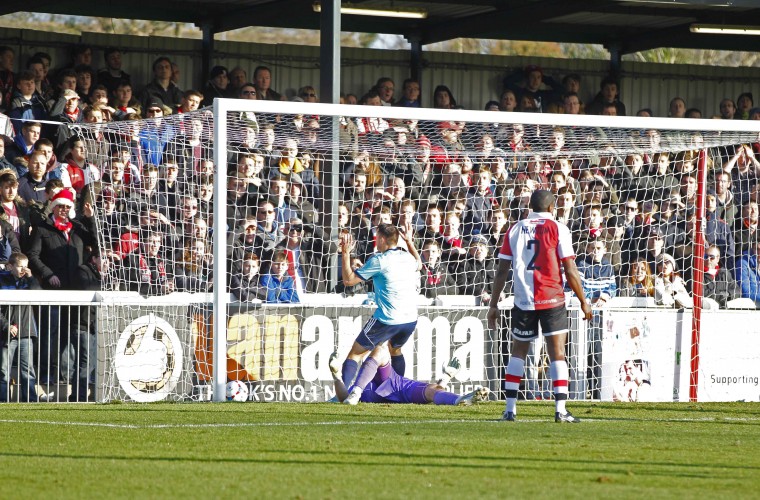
173 10
681 37
207 52
329 89
293 13
415 62
501 20
616 60
13 6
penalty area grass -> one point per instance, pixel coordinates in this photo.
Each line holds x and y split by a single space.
322 450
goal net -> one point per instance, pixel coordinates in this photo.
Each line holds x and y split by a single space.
245 203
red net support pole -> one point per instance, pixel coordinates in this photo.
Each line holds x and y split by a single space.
698 267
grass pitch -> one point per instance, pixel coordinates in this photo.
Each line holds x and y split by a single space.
272 451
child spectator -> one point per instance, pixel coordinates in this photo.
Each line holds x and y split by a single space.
17 331
744 103
280 287
246 286
435 279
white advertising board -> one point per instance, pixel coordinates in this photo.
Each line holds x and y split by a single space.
729 357
643 355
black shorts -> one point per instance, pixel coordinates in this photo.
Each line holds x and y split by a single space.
525 323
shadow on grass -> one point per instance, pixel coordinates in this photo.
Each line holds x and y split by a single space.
743 408
523 463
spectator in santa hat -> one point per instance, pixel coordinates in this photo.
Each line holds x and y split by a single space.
60 242
59 245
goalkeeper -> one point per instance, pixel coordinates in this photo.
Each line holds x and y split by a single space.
390 387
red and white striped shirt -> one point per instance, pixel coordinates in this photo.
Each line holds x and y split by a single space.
536 245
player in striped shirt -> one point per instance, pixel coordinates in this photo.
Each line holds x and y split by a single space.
538 248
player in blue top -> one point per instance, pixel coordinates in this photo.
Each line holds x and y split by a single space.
389 387
395 275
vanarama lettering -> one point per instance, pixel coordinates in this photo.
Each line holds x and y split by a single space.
283 357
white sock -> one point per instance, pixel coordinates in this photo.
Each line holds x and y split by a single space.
512 379
559 374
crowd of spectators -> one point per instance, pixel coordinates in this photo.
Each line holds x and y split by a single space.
107 201
462 184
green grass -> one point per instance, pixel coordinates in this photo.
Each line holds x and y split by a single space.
378 451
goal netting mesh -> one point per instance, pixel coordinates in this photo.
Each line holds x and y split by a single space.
296 175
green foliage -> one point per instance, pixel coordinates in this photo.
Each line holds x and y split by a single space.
694 56
259 450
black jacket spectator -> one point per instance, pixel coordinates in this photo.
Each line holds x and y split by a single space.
435 281
52 254
247 289
475 276
8 241
146 275
20 315
721 287
32 191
